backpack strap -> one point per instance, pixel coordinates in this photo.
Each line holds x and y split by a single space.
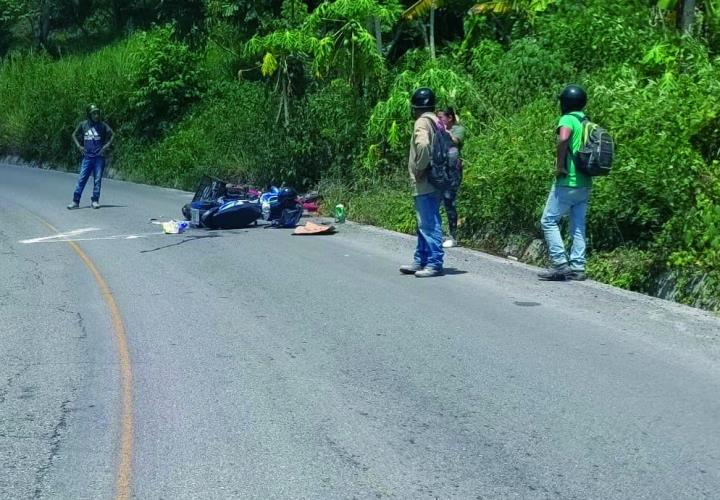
583 119
434 129
587 126
433 125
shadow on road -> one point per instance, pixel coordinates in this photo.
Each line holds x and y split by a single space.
89 207
451 271
184 240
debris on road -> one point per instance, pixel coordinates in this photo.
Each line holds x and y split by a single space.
311 228
172 226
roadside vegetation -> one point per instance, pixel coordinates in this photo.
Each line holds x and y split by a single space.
315 94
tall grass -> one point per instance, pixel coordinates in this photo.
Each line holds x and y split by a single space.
43 99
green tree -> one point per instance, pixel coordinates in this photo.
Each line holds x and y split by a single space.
165 78
334 41
686 11
528 8
10 13
280 51
351 31
250 16
42 17
524 8
418 10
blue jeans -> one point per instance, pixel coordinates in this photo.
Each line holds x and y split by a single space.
560 202
429 251
94 166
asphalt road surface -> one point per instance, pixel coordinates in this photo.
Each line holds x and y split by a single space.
255 364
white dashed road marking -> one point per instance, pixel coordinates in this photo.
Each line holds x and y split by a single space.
73 236
62 236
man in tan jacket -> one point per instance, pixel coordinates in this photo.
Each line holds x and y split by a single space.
429 253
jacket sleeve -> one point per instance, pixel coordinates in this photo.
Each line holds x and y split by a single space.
422 137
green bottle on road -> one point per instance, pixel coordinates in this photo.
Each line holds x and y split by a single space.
340 213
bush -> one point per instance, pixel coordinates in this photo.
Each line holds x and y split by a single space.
508 172
693 236
225 136
219 62
658 170
509 80
625 267
232 135
165 80
335 120
595 34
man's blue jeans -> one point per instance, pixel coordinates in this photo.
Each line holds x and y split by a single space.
429 251
563 201
94 166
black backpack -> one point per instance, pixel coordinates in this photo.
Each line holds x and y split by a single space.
442 173
595 156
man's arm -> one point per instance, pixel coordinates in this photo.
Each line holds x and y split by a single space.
75 135
563 145
421 138
111 135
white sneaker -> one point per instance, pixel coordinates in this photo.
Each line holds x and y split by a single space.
411 269
449 243
428 272
95 204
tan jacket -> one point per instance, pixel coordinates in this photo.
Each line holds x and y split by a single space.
420 153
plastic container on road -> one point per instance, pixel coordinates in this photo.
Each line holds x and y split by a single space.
340 213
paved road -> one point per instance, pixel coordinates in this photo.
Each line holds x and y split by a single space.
270 366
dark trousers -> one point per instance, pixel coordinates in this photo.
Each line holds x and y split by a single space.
449 201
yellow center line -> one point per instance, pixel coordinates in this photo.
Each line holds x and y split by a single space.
123 473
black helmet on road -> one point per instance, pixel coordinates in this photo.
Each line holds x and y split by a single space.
423 99
572 98
287 195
